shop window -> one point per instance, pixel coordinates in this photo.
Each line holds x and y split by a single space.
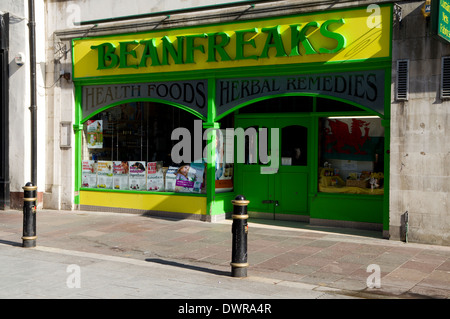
351 155
224 172
285 104
294 145
257 145
330 105
251 145
128 147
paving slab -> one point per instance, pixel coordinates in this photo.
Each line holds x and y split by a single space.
135 256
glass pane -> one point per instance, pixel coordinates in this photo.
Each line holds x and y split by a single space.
294 149
264 150
257 147
286 104
138 131
351 155
329 105
251 145
130 147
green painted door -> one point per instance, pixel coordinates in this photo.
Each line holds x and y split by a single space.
274 173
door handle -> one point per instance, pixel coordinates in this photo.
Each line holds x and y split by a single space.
269 201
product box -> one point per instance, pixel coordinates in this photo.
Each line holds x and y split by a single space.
105 174
120 175
190 178
155 177
199 176
357 183
171 178
137 176
88 174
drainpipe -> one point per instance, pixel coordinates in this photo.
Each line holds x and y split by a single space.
33 107
406 226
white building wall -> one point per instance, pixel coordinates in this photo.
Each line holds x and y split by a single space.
19 160
59 187
19 96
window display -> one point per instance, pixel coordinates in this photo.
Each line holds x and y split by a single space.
224 161
351 155
120 174
89 174
189 178
95 134
137 176
128 147
155 177
105 174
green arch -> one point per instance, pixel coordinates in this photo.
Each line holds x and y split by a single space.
174 104
239 106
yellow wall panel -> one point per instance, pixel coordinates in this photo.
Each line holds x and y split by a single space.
367 34
145 201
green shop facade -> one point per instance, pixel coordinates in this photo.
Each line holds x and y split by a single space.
292 112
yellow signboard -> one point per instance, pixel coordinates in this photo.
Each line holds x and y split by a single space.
355 34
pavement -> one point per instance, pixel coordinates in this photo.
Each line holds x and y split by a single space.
97 255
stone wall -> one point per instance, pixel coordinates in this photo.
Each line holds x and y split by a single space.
420 146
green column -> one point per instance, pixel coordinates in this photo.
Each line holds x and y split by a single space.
387 142
313 152
211 148
77 128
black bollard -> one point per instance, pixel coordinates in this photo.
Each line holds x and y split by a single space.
29 215
239 229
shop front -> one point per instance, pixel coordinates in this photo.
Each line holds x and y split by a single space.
292 112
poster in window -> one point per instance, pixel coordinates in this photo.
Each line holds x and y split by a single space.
198 172
171 178
189 178
105 174
89 174
137 176
120 174
357 139
224 162
155 176
95 134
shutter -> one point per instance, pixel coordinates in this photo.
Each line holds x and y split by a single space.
445 78
402 80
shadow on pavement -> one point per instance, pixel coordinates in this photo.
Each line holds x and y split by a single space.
197 268
11 243
326 229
